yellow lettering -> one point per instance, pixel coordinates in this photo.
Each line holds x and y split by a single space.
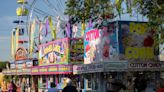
139 28
34 70
63 69
150 53
132 27
56 48
128 52
137 52
53 69
143 28
48 49
142 52
43 70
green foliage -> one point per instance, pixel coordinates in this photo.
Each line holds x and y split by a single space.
82 10
3 64
153 9
7 78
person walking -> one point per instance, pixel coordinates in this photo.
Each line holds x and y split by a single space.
69 87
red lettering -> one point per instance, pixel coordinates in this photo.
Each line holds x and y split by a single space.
92 35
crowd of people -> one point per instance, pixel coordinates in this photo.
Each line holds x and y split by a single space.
12 87
9 87
113 85
139 84
68 88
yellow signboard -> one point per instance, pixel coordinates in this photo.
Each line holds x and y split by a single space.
139 52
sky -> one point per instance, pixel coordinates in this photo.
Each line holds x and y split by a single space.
8 15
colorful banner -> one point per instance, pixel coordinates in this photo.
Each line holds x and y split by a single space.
40 31
83 26
12 44
32 31
100 44
58 23
19 71
43 69
35 70
16 38
91 40
26 71
64 68
76 50
55 52
135 40
52 69
53 29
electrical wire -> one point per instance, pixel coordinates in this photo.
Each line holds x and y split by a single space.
59 4
41 12
54 9
30 14
34 9
62 6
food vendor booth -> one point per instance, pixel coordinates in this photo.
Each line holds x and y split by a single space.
55 62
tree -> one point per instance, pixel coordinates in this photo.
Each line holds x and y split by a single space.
7 78
3 65
83 10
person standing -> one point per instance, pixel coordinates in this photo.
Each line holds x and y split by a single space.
53 88
69 87
12 87
23 85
